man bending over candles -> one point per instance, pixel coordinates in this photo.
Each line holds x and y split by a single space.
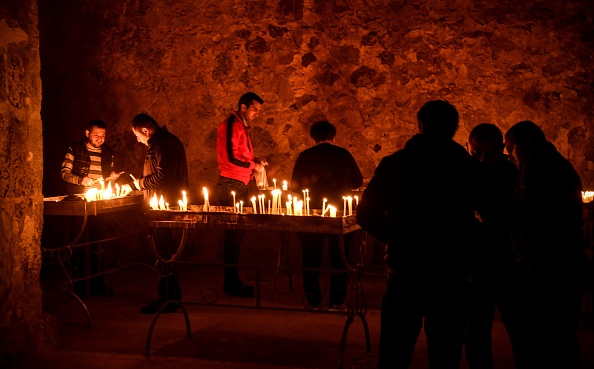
235 157
165 173
421 202
326 171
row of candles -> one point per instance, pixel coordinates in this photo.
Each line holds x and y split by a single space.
105 193
294 206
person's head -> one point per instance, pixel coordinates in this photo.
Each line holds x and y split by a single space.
521 140
485 140
144 127
95 132
438 118
322 131
249 106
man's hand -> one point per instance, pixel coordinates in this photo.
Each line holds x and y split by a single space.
86 181
259 168
126 189
113 176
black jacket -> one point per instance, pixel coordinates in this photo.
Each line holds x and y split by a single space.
421 202
165 170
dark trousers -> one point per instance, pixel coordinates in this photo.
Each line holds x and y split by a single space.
407 304
312 245
232 238
547 317
489 289
166 244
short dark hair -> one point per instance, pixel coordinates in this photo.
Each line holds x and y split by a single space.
248 99
524 134
322 131
144 120
96 123
486 133
438 117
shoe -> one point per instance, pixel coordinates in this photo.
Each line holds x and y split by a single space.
240 291
338 308
155 305
102 291
312 307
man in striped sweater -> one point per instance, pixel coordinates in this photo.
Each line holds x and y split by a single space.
88 160
85 163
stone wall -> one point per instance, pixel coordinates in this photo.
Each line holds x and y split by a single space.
366 66
22 326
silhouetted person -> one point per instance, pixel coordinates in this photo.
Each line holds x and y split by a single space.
549 248
491 280
421 202
327 171
236 161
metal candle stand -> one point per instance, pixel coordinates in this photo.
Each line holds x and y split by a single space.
224 218
77 207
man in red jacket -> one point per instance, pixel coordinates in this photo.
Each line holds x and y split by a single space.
235 156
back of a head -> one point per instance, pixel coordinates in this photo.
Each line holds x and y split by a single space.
96 123
144 120
488 137
322 131
248 99
438 118
525 134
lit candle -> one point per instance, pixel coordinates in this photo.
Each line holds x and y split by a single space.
185 201
274 181
324 207
117 186
108 192
285 186
274 200
299 208
587 196
307 206
350 201
154 203
162 203
289 211
237 207
332 211
206 206
241 206
255 209
344 209
233 193
167 206
326 210
181 204
356 201
102 186
268 206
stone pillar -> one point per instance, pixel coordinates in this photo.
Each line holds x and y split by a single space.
22 327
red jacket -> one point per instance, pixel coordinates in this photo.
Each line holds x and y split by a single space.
235 154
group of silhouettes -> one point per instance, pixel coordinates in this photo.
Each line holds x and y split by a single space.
471 230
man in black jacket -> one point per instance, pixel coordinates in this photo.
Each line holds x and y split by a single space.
547 237
421 202
326 171
165 173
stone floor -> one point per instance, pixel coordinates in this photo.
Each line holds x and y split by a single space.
224 337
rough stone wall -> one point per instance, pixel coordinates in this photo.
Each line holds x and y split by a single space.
366 66
22 326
